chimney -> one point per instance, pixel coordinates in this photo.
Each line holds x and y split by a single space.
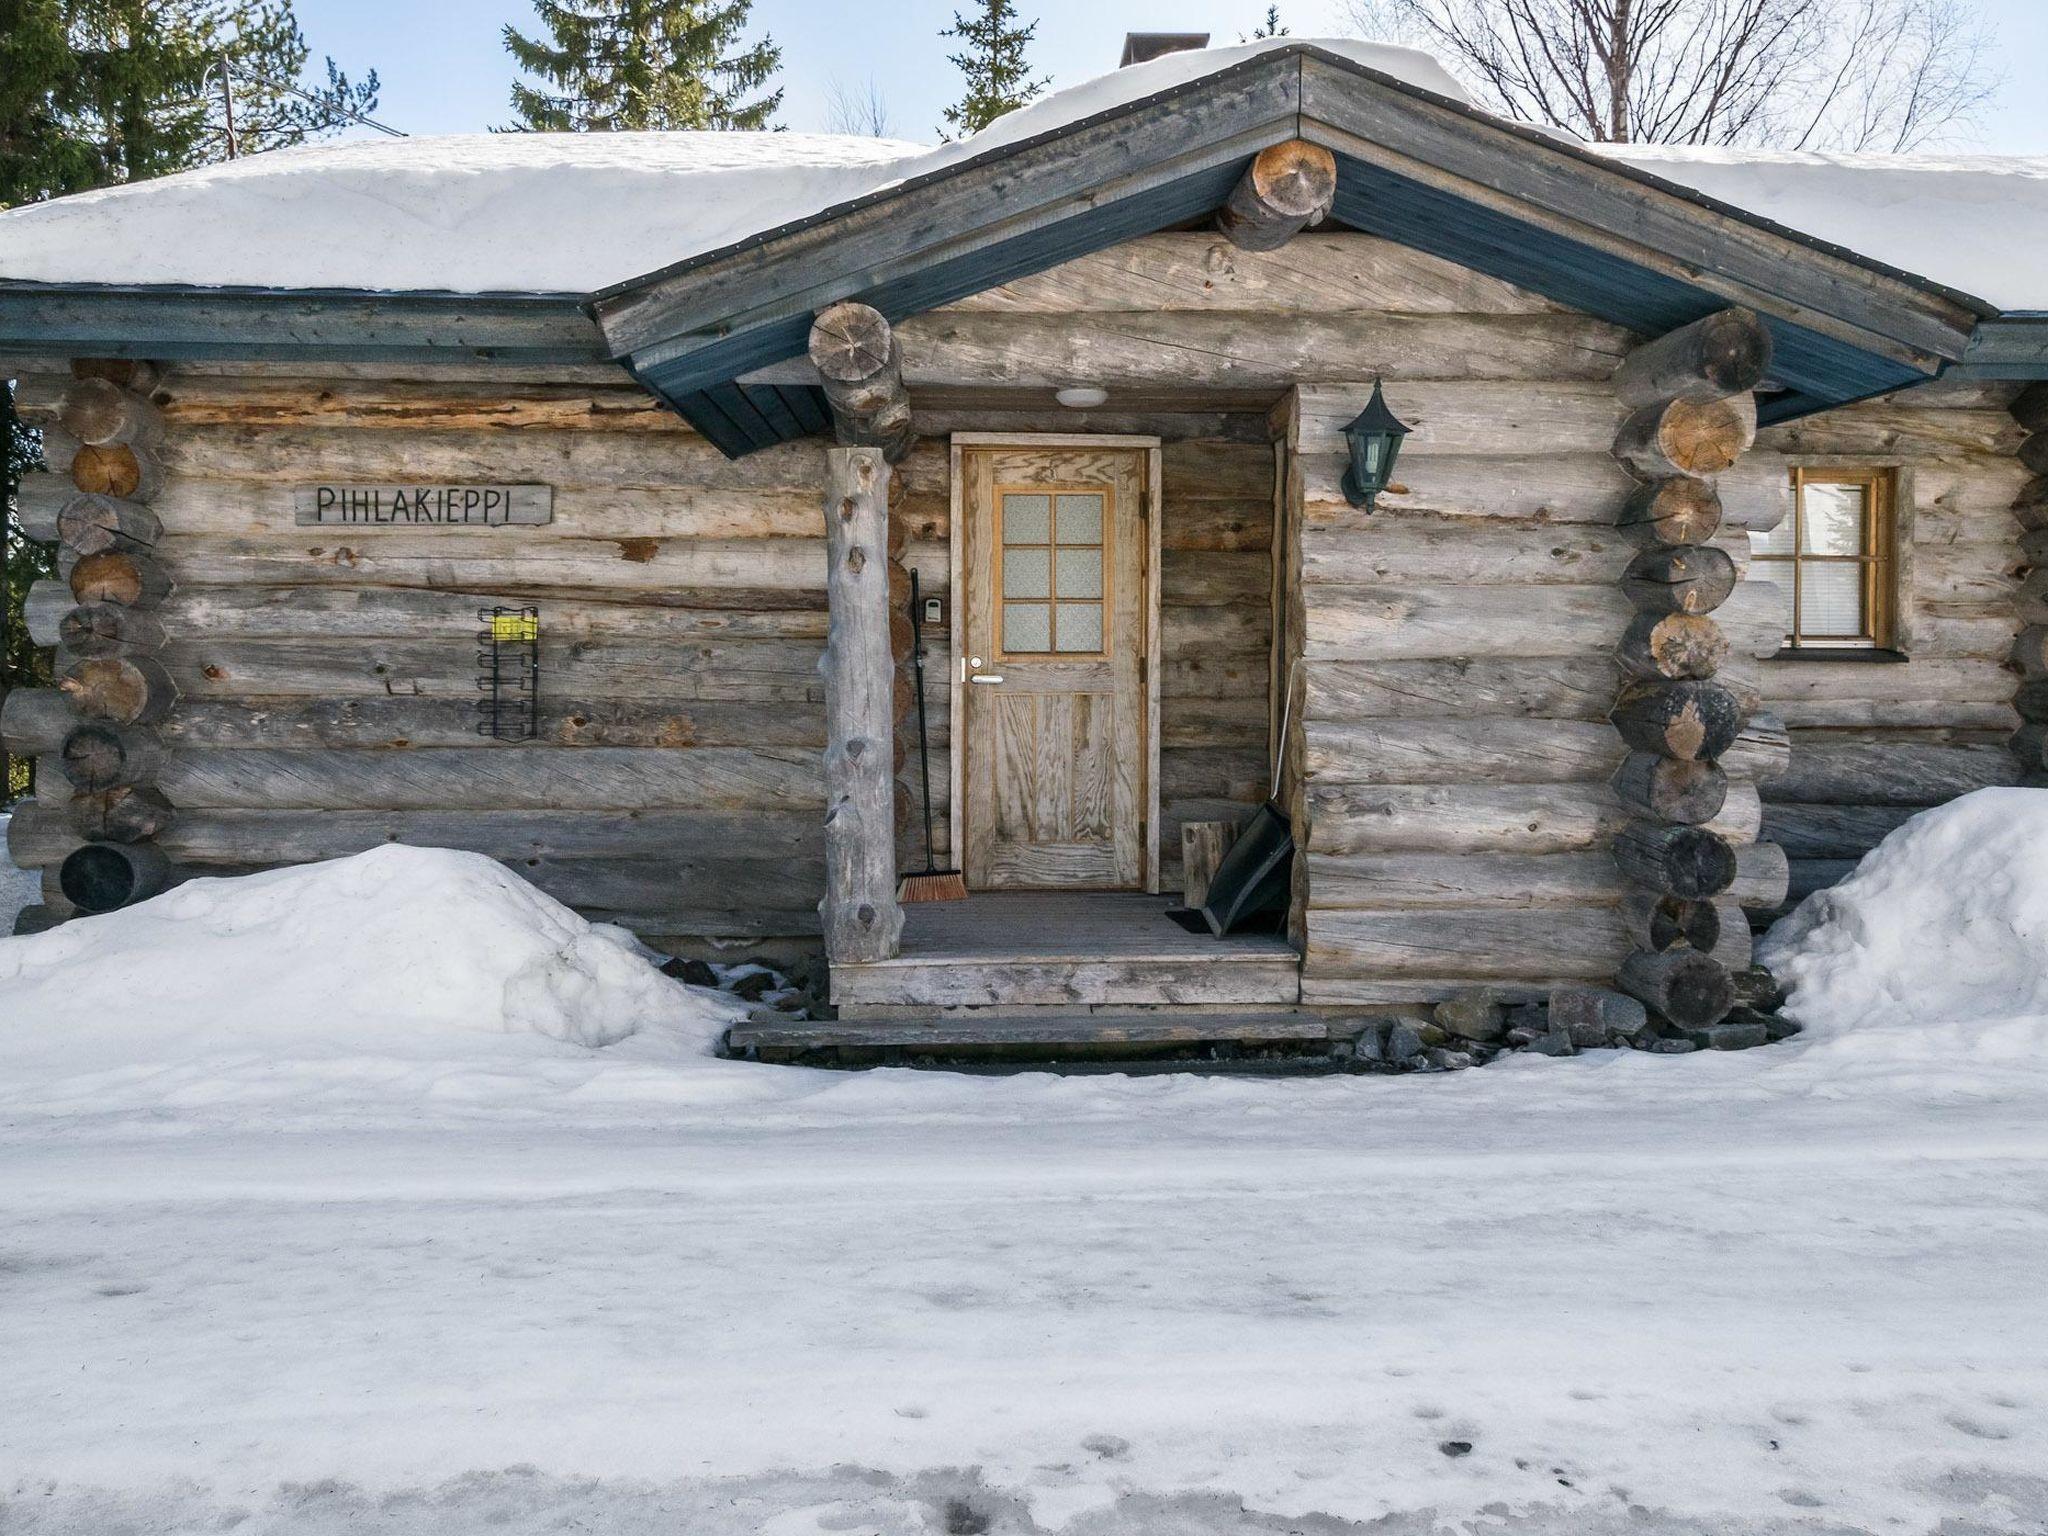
1141 47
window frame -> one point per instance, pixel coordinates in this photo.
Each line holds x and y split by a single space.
1052 490
1883 600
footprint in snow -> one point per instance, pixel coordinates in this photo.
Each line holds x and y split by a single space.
1108 1447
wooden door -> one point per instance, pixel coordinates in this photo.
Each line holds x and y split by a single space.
1053 673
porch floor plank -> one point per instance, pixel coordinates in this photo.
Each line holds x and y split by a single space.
1033 949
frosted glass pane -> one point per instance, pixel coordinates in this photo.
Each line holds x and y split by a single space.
1027 519
1831 602
1027 627
1833 519
1027 572
1080 626
1081 519
1080 572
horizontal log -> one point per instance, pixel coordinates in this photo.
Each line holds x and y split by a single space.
1690 989
1445 880
39 835
99 755
858 360
130 471
118 576
105 877
1761 751
1900 432
1761 874
1665 789
1427 623
2030 407
1959 682
1824 772
1180 271
1693 863
1691 578
1727 353
37 500
1512 419
1461 687
88 524
1488 818
1657 922
1685 437
35 721
1135 351
1477 942
43 609
98 630
762 671
1672 645
509 563
1810 875
1458 751
1425 550
1684 719
609 778
1564 489
653 838
1833 831
339 613
401 721
99 412
128 814
1286 188
127 690
1678 510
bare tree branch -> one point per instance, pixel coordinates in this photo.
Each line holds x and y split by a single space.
1794 74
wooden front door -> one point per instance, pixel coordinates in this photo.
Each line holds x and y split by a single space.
1053 670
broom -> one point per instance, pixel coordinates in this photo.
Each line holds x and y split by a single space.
929 883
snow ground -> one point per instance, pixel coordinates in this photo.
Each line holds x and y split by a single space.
310 1279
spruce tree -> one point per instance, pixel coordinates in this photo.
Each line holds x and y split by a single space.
618 65
998 76
40 80
1270 27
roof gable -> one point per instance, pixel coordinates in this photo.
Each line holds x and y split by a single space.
1414 166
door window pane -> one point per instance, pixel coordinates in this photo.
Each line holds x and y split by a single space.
1027 519
1081 519
1080 627
1027 573
1027 627
1080 572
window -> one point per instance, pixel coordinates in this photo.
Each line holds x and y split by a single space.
1832 559
1054 577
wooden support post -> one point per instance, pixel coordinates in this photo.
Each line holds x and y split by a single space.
1286 188
862 920
856 356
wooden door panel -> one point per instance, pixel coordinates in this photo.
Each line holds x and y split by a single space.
1054 739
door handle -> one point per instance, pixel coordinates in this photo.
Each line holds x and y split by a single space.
986 677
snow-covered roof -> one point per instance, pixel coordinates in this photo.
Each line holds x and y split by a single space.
1974 223
578 213
539 212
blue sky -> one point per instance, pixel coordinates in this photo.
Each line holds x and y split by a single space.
445 69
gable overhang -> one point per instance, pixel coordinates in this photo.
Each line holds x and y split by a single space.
1517 203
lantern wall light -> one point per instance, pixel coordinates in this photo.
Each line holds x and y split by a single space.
1374 437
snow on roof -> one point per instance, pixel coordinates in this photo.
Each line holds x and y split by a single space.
576 213
546 212
1974 223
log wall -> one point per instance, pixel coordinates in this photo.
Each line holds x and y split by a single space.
1876 741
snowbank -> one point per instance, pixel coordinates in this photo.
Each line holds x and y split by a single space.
399 952
547 212
1937 946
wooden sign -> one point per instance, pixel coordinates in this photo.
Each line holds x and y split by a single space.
424 506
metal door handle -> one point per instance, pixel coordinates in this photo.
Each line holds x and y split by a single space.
986 677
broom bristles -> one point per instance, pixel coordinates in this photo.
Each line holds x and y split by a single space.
933 885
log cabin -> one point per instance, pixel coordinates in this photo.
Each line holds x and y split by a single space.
559 498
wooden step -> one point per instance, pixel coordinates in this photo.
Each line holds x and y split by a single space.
1076 1029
